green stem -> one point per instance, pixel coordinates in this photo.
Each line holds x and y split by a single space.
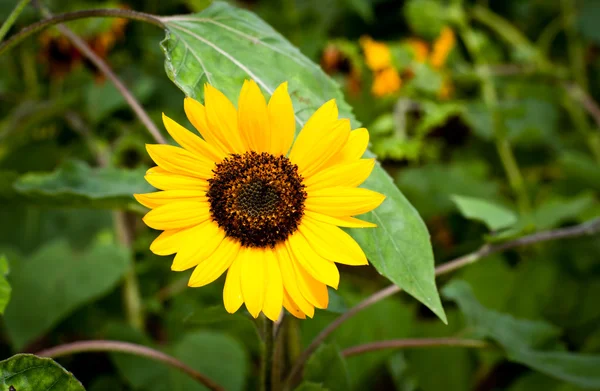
95 13
12 18
575 46
267 354
131 292
490 97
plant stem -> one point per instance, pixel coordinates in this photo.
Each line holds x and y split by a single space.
588 228
267 354
131 290
84 48
94 13
12 18
126 347
413 343
575 46
490 97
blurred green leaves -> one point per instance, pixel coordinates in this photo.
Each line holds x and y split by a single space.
29 372
4 285
75 184
493 215
55 281
532 343
328 368
224 46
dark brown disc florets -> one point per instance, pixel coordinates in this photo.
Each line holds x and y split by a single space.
257 198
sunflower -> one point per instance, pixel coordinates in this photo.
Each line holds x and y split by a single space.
243 200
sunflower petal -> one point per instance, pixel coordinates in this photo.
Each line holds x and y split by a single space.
274 287
354 149
346 174
222 119
344 221
343 201
232 292
317 144
168 242
314 292
253 279
177 215
212 267
290 283
190 141
179 161
320 268
159 198
199 243
282 121
253 118
292 308
196 113
332 243
165 180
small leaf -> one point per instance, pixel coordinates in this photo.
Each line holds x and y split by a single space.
4 285
309 386
55 281
224 46
327 367
75 184
496 217
24 372
522 340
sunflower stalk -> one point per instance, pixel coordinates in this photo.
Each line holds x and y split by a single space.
267 353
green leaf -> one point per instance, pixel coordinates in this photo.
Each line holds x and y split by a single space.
75 184
223 46
425 17
309 386
28 372
400 248
4 285
55 281
216 355
496 217
554 211
522 340
327 367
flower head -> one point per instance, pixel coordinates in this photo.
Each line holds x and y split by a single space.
377 54
248 200
386 82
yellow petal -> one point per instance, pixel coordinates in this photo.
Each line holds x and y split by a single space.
190 141
168 242
222 120
177 215
290 283
274 287
314 292
165 180
292 308
159 198
282 120
315 145
253 118
212 267
332 243
179 161
317 124
253 279
320 268
199 243
232 292
196 113
344 221
346 174
354 149
343 201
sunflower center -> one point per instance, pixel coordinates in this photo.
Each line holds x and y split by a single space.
257 198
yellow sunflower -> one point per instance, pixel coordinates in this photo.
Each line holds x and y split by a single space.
243 200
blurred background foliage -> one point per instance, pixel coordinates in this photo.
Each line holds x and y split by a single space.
429 86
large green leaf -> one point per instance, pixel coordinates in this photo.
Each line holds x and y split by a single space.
75 184
28 372
328 368
4 285
522 340
55 281
223 46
